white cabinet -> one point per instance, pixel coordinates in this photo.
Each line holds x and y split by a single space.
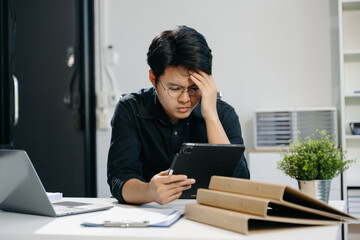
349 31
263 167
349 40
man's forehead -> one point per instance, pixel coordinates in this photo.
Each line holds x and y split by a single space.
177 76
177 71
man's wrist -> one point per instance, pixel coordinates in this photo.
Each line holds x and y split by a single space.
136 191
148 195
212 119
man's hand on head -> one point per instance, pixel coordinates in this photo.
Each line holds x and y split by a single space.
208 90
214 129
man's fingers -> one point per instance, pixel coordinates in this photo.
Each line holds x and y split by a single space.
197 78
201 77
171 198
178 189
173 178
164 173
175 193
171 191
166 188
187 182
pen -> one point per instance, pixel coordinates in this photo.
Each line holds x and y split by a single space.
125 224
171 170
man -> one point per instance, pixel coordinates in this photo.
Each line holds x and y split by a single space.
149 127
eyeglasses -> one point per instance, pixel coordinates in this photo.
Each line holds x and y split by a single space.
177 91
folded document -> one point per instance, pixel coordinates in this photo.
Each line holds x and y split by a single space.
135 217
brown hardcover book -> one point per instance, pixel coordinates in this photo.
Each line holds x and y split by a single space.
264 199
246 223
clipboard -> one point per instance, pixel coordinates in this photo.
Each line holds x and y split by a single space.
135 217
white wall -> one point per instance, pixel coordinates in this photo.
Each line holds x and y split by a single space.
267 53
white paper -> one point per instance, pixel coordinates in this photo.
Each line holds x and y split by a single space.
154 216
54 196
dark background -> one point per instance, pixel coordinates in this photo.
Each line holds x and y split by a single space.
56 100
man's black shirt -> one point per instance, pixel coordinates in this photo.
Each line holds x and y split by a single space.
144 142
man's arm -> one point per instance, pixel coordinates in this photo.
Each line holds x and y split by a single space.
124 153
222 131
125 168
214 129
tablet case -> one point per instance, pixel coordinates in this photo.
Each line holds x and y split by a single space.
202 160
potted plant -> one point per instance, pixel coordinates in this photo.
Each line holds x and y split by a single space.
314 162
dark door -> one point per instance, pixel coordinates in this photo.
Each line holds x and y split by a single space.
6 82
53 65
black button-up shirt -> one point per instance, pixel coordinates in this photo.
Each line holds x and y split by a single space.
144 142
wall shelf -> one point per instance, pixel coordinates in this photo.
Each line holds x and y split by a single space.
352 96
352 53
353 137
350 4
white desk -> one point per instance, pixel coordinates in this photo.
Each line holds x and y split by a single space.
23 226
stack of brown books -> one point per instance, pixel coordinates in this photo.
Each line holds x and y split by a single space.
247 206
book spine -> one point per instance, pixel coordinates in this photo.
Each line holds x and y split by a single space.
231 201
217 217
247 187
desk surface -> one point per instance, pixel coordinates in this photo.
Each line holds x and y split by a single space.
24 226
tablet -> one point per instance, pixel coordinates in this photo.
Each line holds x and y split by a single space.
203 160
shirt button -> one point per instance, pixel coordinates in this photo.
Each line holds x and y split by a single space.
187 123
175 133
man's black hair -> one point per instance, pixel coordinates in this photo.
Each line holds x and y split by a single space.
181 47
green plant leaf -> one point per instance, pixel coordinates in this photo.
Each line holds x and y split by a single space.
313 157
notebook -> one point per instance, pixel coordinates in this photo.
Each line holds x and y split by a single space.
22 191
203 160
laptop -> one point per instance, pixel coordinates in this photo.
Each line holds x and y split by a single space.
22 191
203 160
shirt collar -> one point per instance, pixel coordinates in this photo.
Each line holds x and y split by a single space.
150 107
